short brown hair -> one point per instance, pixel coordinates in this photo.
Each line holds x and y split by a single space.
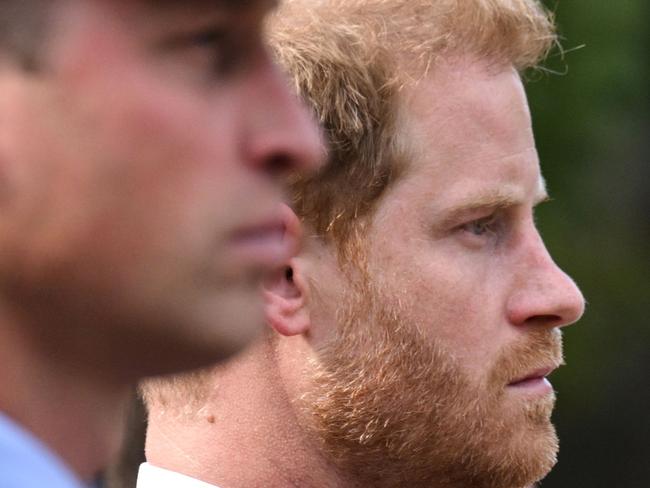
349 59
23 26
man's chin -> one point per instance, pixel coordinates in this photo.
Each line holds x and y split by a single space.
538 445
543 448
512 443
532 454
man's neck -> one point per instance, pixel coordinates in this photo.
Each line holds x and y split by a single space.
245 435
77 415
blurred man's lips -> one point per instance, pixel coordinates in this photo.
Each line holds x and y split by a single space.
264 244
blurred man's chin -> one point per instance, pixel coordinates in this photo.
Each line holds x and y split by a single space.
222 327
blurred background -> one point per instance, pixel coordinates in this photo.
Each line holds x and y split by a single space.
592 126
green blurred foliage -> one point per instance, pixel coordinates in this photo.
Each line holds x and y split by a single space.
592 124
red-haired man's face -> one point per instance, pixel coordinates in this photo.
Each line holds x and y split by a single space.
436 374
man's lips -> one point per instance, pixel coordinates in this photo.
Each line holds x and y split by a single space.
534 382
538 374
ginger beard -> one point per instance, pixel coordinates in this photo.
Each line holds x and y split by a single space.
391 407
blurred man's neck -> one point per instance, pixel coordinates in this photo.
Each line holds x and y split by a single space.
76 415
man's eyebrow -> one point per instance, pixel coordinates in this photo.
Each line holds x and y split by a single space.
493 200
489 200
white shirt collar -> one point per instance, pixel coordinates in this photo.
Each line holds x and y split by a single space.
150 476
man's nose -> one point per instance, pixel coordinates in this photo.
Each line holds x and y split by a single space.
542 293
282 135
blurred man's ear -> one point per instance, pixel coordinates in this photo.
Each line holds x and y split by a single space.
285 293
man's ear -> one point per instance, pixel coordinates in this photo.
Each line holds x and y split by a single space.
286 291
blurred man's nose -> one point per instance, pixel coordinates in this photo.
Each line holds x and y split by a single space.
282 134
543 294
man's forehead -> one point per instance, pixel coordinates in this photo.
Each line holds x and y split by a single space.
151 15
211 4
248 12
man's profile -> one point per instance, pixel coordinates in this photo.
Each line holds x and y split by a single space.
141 149
410 339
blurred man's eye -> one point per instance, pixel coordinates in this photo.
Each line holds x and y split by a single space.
212 37
214 50
219 45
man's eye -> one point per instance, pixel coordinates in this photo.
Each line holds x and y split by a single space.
480 227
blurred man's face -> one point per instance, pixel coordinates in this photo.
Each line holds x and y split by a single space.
436 375
140 176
